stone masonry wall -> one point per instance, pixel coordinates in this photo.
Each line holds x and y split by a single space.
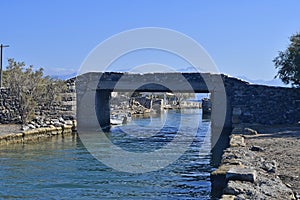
261 104
68 104
9 107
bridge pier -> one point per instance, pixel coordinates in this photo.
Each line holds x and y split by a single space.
220 129
102 101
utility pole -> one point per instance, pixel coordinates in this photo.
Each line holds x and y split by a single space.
1 47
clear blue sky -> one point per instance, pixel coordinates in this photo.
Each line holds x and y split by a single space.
242 37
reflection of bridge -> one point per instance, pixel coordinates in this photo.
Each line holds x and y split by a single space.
233 101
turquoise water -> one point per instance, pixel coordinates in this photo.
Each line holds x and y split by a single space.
62 168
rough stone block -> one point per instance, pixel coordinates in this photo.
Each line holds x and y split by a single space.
241 174
237 141
228 197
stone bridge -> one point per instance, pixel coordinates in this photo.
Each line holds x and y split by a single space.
233 101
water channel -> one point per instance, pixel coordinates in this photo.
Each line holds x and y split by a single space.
62 168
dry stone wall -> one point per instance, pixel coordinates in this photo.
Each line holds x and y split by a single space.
66 108
261 104
9 107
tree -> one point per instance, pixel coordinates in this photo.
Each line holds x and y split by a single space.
288 62
30 88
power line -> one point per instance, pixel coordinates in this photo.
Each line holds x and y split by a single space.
1 47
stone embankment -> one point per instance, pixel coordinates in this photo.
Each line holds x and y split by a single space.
46 122
36 130
252 168
31 135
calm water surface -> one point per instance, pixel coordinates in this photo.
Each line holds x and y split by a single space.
61 168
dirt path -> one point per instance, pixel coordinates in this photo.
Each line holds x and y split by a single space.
281 144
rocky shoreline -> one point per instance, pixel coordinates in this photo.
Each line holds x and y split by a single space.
256 162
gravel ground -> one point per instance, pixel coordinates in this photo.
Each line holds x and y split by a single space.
282 144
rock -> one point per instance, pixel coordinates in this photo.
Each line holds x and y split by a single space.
240 197
25 128
233 188
270 166
228 197
232 161
31 126
68 122
57 124
256 148
54 121
241 174
297 195
264 188
61 120
44 125
249 131
237 141
288 185
32 123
